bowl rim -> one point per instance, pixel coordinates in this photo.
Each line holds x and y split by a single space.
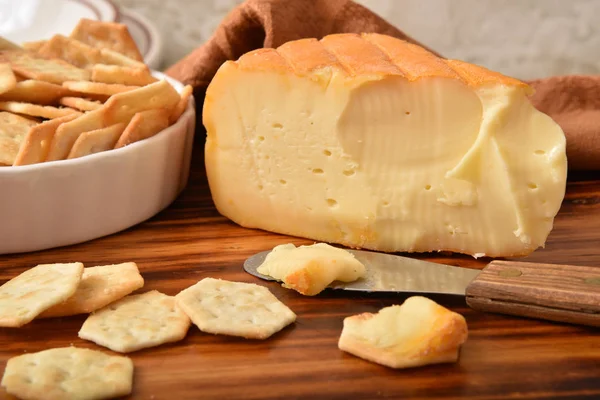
122 151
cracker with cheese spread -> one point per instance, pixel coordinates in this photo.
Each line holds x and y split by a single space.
418 332
310 269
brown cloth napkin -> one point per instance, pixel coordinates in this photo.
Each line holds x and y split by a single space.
572 101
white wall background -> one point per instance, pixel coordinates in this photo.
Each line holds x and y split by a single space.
522 38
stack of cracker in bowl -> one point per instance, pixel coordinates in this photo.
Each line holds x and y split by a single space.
92 141
69 97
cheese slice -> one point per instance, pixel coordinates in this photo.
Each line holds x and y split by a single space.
418 332
372 142
310 269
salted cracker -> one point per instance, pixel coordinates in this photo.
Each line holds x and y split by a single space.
73 51
79 103
99 287
234 308
7 78
36 143
107 89
34 45
37 92
6 44
110 35
96 141
122 75
179 109
34 66
143 125
418 332
13 130
68 373
29 294
118 108
136 322
36 110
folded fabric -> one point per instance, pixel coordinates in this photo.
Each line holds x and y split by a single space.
572 101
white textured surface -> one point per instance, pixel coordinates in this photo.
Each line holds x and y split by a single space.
525 38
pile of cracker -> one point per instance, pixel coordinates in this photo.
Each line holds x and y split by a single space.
69 97
122 322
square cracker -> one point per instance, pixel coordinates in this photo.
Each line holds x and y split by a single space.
96 141
80 104
143 125
111 35
37 92
136 322
13 130
29 294
36 110
107 89
73 51
6 44
34 66
179 109
119 108
122 75
234 308
68 373
99 287
36 143
34 45
108 56
7 78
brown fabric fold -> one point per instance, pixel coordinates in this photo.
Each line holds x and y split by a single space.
572 101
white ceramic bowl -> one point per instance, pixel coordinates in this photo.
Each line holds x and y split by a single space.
65 202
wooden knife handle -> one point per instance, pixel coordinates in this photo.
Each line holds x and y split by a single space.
562 293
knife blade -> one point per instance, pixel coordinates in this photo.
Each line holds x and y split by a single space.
553 292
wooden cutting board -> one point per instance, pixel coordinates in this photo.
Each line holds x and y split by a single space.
503 357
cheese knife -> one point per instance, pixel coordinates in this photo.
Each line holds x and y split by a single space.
561 293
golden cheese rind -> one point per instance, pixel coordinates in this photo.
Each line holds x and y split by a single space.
368 54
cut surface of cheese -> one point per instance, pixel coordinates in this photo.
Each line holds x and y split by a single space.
310 269
418 332
372 142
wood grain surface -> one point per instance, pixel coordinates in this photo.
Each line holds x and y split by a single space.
504 357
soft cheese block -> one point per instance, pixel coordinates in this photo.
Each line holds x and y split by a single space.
418 332
371 142
310 269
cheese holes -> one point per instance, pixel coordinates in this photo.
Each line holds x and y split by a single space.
317 171
277 125
348 172
532 186
327 153
332 203
283 181
427 187
261 138
539 152
385 203
407 112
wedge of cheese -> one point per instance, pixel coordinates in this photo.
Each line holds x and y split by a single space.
310 269
418 332
372 142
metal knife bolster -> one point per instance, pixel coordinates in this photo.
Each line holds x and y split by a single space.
391 273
